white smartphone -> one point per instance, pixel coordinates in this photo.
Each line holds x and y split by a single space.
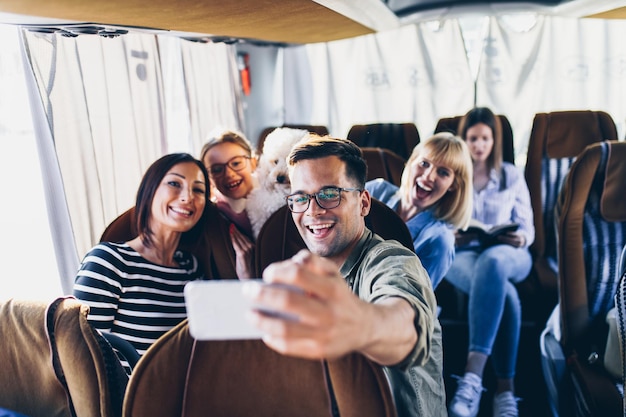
217 310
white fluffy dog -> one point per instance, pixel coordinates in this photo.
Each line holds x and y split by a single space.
272 175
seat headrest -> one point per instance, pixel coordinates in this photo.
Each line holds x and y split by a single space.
569 132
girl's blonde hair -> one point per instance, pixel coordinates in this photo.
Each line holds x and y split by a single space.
218 137
444 148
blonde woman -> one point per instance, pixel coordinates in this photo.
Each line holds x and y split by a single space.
434 199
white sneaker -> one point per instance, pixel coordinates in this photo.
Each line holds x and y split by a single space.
505 405
466 401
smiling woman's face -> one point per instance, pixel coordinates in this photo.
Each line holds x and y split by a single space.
179 199
429 180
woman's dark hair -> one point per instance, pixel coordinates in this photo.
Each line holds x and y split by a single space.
315 147
149 184
485 116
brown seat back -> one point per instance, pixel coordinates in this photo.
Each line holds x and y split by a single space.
279 238
383 163
245 378
591 229
451 124
400 138
555 141
212 247
55 364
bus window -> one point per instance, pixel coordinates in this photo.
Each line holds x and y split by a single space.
28 261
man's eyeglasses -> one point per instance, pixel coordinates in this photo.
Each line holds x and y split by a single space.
236 163
326 198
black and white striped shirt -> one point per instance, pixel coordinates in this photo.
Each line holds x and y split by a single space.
131 296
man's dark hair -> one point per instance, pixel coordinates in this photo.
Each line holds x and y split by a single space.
316 147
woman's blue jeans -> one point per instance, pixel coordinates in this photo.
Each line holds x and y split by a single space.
494 310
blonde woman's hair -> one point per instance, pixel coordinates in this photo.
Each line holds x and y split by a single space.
444 148
220 136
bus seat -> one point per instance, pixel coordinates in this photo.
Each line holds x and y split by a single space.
279 238
319 129
245 378
591 233
213 247
400 138
55 364
383 163
620 307
451 124
555 140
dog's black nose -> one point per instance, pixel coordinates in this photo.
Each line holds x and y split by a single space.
282 179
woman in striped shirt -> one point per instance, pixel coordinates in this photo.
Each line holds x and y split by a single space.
135 289
488 273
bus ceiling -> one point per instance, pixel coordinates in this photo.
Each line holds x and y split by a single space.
271 21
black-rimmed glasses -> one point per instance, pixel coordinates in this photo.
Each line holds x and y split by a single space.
326 198
236 163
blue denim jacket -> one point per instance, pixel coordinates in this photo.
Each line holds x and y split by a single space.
433 239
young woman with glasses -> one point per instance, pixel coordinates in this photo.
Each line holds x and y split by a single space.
230 161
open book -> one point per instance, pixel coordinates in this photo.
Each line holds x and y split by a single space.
486 235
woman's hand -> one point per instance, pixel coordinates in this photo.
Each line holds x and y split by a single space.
463 239
244 253
514 239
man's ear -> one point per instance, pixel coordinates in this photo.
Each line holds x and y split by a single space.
366 203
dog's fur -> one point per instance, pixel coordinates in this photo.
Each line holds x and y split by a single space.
272 175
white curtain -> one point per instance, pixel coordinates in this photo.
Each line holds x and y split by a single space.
412 74
558 64
212 86
105 117
104 107
28 257
420 73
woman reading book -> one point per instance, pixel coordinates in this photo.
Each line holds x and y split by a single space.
487 273
433 199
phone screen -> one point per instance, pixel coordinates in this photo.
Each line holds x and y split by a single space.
217 310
